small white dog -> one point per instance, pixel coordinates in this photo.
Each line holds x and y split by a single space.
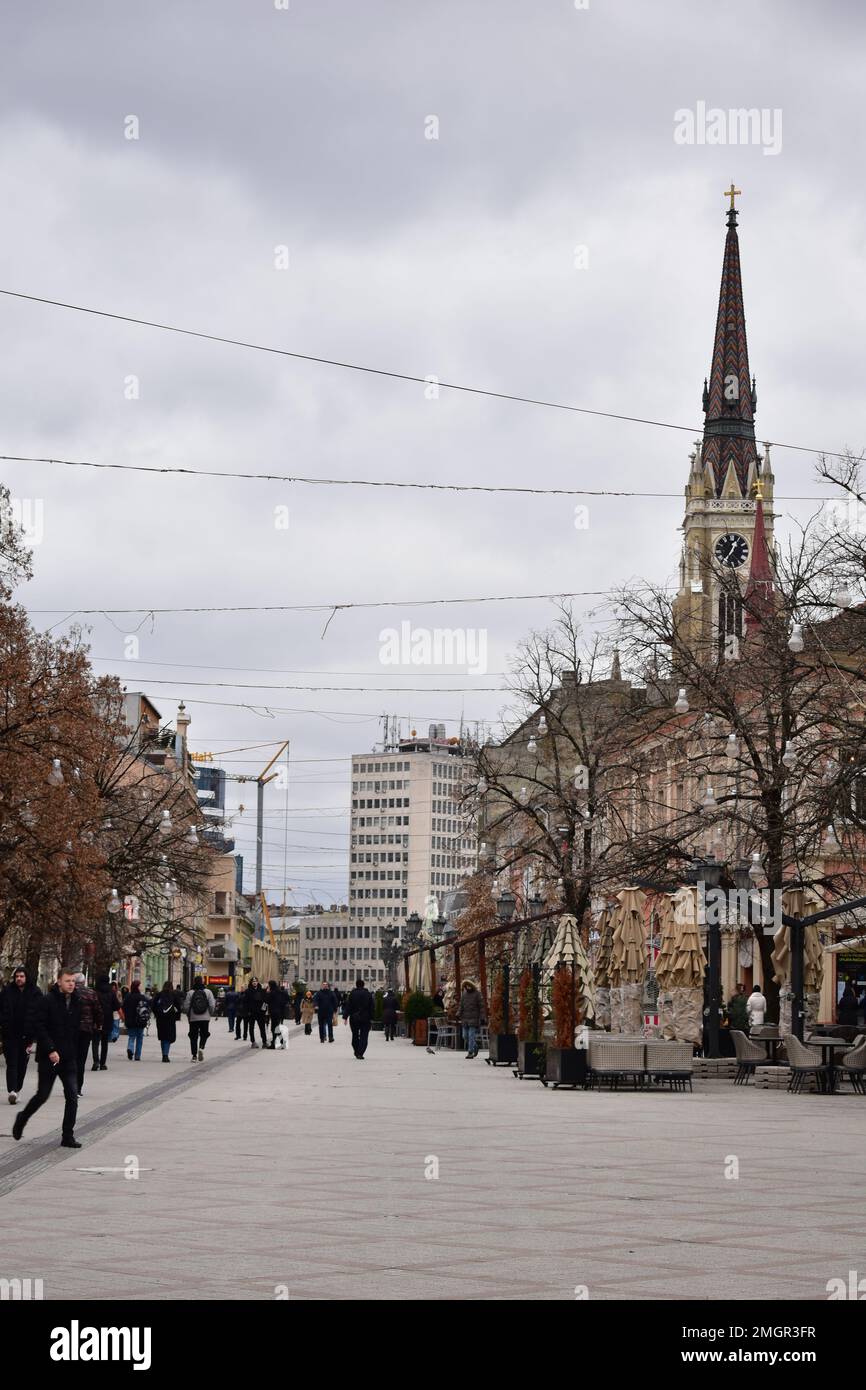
282 1035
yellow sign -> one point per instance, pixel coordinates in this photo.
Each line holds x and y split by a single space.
201 757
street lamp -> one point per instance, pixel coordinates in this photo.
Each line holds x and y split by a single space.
505 905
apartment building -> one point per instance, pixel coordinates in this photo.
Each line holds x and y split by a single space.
410 840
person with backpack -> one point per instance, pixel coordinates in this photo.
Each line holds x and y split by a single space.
256 1010
166 1013
200 1007
136 1013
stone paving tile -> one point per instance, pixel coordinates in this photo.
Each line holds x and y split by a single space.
626 1189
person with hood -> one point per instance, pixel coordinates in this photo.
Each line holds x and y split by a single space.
256 1010
277 1002
56 1023
91 1024
756 1007
109 1004
200 1006
470 1015
361 1006
308 1012
166 1013
17 1002
390 1006
326 1007
136 1013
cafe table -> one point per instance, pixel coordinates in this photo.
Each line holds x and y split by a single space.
829 1047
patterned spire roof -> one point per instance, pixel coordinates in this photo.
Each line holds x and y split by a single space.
758 598
729 397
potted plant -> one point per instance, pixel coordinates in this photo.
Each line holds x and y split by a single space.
418 1008
530 1044
502 1045
565 1064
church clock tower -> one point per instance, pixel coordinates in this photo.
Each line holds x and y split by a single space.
727 474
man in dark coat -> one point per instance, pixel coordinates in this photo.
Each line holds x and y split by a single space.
230 1004
56 1024
256 1011
326 1007
360 1005
16 1006
277 1002
91 1024
109 1004
297 1000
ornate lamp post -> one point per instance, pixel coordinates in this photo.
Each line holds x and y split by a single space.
389 952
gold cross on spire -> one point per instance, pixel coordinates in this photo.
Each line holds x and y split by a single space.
733 193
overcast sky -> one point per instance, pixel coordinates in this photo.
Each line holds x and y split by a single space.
260 128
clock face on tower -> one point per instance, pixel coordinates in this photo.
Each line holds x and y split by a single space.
731 549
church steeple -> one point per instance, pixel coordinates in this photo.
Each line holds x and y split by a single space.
729 454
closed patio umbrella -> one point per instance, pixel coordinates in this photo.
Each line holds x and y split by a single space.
664 964
687 968
568 949
798 902
628 962
604 927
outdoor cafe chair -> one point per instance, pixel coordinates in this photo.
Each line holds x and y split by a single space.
671 1062
804 1063
749 1056
853 1065
446 1032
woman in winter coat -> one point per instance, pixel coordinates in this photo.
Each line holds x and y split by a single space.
110 1005
470 1015
166 1013
308 1011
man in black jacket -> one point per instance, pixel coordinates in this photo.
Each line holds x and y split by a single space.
360 1007
326 1006
16 1007
256 1011
56 1025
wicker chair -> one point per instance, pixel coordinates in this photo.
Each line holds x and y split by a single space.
671 1062
853 1065
804 1063
749 1056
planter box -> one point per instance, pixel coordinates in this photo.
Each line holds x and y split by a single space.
419 1032
530 1059
565 1066
502 1050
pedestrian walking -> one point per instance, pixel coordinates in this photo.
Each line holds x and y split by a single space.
231 1002
241 1020
326 1007
361 1005
179 996
136 1013
297 1002
91 1024
256 1009
17 1002
308 1012
756 1007
277 1003
166 1013
56 1020
470 1014
390 1006
109 1005
200 1007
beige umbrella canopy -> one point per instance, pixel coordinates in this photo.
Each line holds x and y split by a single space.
689 961
628 956
664 962
798 903
568 949
420 974
604 927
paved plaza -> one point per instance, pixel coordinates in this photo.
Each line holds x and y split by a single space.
306 1174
